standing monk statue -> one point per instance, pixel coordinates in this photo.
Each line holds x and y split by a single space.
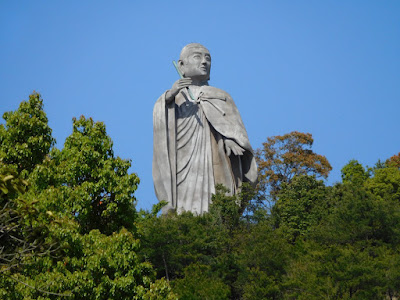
199 138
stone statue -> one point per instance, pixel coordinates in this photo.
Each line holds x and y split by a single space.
198 142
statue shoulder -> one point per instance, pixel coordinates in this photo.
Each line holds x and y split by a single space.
213 92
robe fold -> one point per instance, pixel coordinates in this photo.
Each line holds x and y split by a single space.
189 156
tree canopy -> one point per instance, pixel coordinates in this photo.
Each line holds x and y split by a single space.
72 233
69 227
283 157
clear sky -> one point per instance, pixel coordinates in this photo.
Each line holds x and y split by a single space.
331 68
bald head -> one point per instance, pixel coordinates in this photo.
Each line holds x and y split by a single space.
189 48
195 62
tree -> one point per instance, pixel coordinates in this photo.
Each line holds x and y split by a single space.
26 138
263 254
355 173
283 157
19 237
200 282
352 251
88 266
189 251
173 242
81 202
385 184
394 161
300 206
339 271
87 182
196 253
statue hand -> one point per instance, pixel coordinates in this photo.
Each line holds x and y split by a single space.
176 87
231 146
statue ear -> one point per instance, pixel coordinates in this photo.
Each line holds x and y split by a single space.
181 68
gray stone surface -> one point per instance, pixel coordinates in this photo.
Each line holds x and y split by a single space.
198 142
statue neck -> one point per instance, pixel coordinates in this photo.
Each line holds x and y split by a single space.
199 83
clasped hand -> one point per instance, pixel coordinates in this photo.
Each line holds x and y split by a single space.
176 87
231 146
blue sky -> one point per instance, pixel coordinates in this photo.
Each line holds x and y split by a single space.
331 68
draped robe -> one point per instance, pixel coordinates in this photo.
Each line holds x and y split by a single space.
189 157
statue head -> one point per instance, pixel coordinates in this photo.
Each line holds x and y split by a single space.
195 62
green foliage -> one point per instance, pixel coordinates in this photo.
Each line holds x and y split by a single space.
385 183
320 242
360 216
200 282
20 235
160 290
75 226
352 253
341 272
10 184
196 252
86 181
263 254
350 236
94 266
300 206
69 227
174 242
225 210
26 138
354 173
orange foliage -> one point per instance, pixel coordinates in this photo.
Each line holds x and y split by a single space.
283 157
394 161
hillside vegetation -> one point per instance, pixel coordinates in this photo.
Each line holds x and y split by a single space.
69 227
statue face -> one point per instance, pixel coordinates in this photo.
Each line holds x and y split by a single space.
197 64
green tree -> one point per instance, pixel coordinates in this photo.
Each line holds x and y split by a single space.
385 183
198 252
200 282
300 206
189 251
25 139
173 242
358 216
19 238
81 202
263 254
341 271
86 181
355 173
352 252
88 266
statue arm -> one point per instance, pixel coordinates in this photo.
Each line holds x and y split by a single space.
175 89
168 97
